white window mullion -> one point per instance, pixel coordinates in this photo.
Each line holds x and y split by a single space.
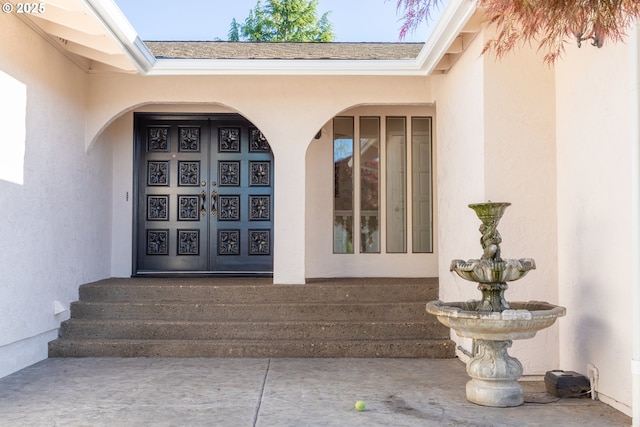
409 185
356 185
383 184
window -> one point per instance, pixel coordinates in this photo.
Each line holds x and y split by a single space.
422 185
343 185
361 201
396 185
369 184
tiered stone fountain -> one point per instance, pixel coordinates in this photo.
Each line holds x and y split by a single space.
493 322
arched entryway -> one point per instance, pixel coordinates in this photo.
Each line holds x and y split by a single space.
203 196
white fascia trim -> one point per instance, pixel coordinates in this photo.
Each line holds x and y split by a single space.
116 24
454 18
165 67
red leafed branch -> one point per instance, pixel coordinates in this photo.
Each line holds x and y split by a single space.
545 23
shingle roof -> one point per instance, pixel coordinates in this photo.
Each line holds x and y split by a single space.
282 50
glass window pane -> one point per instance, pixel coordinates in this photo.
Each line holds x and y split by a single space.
369 184
343 185
422 184
396 184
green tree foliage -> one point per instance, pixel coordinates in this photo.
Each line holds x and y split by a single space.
234 31
283 21
547 23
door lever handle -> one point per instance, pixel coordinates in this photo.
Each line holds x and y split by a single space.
203 209
214 203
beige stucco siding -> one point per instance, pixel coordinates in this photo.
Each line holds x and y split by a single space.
304 102
496 141
596 91
56 217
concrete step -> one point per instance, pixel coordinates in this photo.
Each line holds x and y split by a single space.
242 290
205 317
193 311
309 330
256 348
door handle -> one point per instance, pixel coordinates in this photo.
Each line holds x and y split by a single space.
203 197
214 203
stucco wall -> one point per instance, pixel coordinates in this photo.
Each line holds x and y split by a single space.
497 142
55 200
596 91
520 167
460 177
119 136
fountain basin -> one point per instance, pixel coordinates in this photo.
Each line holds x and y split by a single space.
492 271
521 321
493 323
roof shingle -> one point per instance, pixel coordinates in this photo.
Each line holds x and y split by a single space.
283 50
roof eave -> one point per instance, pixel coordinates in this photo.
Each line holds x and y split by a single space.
449 26
121 30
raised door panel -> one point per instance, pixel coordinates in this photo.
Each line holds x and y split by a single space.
242 180
172 225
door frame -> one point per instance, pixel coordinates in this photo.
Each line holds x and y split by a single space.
140 117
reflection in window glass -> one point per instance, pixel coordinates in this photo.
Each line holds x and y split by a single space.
422 186
369 184
343 185
396 184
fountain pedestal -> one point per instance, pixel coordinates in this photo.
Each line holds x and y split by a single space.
494 375
492 322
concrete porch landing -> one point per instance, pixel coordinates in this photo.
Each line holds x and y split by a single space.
271 392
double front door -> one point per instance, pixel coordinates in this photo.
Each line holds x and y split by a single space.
204 196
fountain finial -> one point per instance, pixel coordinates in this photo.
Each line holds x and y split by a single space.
490 214
491 272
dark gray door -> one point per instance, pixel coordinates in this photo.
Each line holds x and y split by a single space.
204 196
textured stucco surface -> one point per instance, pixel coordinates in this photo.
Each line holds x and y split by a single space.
56 222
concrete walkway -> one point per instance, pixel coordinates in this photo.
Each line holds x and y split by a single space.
271 392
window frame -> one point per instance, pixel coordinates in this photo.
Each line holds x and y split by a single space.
410 212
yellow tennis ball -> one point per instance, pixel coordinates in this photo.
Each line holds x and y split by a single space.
360 406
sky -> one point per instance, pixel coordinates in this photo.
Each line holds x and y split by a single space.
189 20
